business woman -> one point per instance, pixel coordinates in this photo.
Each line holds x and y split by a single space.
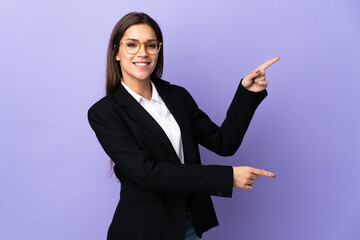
151 130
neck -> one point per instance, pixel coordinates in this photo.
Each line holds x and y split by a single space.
141 87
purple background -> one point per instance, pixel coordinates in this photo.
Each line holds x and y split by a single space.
53 172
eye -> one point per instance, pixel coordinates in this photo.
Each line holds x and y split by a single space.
151 45
131 44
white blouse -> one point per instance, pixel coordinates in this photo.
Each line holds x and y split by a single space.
158 110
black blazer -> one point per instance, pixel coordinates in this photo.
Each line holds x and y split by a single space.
155 187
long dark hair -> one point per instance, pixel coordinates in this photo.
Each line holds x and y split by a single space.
113 71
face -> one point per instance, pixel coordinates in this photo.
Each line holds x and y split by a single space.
137 67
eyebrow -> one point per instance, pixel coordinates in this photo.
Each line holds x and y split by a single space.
139 41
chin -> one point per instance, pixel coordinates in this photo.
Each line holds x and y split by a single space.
139 75
142 77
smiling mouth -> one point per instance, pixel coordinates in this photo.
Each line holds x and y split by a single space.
140 64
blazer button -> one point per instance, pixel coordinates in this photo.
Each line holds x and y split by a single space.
219 193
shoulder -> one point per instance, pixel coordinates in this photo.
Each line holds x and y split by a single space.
102 107
176 92
173 88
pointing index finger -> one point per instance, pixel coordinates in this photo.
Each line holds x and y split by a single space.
269 63
263 172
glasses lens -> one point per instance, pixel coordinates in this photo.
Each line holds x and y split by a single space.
152 47
132 46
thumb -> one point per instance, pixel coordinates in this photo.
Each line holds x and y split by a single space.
251 76
256 73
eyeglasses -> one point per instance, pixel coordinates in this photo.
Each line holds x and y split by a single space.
133 46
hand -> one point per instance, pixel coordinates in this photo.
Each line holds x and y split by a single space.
255 81
244 177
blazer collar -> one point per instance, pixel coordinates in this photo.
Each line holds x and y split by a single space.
155 95
124 98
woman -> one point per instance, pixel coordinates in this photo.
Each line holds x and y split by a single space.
151 130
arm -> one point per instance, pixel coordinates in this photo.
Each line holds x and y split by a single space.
121 147
225 140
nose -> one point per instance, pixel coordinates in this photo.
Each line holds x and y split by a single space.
142 50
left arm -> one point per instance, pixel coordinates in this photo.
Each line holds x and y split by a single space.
225 140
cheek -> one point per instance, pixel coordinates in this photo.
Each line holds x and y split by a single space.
155 61
123 57
125 61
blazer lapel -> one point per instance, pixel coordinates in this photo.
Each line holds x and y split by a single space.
177 109
139 114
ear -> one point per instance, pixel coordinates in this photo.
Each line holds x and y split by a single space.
117 57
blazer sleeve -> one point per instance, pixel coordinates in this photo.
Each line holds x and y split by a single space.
225 140
133 161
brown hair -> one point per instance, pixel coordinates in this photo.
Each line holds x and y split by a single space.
113 70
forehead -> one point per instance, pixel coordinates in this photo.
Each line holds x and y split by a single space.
141 32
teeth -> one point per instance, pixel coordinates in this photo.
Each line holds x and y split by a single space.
141 64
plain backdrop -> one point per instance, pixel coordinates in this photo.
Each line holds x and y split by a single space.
53 172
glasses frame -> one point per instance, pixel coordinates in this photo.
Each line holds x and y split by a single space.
140 44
